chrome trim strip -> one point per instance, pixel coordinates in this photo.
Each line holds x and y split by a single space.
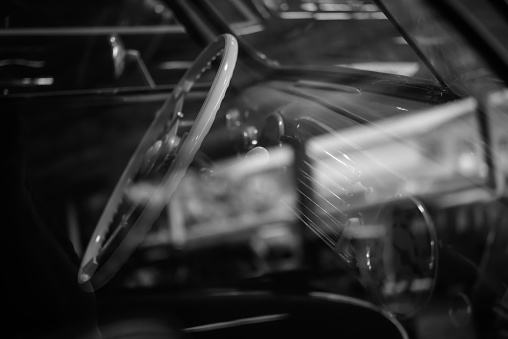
236 322
104 30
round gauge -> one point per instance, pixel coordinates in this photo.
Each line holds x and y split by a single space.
399 264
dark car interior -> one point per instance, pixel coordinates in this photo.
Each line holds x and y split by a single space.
82 100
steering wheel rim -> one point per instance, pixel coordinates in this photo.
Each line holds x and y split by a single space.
105 255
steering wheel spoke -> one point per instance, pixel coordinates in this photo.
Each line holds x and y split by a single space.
155 169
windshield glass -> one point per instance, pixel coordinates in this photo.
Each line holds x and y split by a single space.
445 48
317 33
98 46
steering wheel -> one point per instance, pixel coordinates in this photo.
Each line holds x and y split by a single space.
155 169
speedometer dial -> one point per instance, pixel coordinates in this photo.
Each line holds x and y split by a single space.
399 266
